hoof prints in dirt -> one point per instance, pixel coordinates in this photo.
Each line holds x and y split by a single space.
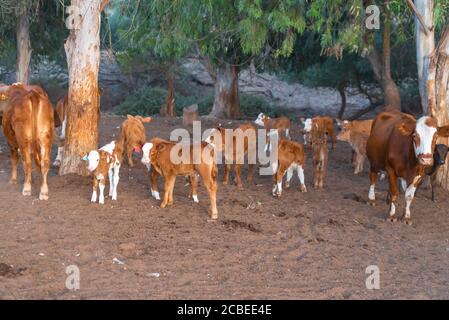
234 224
10 272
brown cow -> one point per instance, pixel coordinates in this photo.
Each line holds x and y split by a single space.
132 135
281 124
242 142
320 153
290 157
158 154
356 133
327 122
404 148
28 125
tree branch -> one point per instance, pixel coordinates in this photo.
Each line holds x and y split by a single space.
412 6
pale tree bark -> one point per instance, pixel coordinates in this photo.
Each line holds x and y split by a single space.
438 89
23 48
227 101
82 49
425 44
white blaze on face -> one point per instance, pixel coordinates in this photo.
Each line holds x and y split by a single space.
146 149
308 125
93 159
214 132
259 121
425 133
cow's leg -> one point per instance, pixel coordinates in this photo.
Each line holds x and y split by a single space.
371 193
116 180
332 136
27 166
237 171
393 193
58 159
250 175
289 176
300 172
211 187
358 163
94 189
129 154
287 133
154 175
194 187
14 162
226 173
168 190
321 184
409 195
45 166
111 181
101 186
277 189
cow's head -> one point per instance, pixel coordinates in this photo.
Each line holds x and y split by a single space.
92 159
424 138
440 154
344 134
215 135
260 119
146 150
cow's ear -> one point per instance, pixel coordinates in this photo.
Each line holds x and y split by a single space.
83 156
129 116
443 131
146 119
160 147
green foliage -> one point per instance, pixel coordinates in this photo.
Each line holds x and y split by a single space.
147 101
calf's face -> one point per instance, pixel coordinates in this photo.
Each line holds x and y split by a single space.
260 118
424 138
345 131
93 160
440 154
146 150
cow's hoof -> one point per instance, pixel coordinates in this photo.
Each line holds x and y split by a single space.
372 203
407 221
43 196
56 163
287 185
225 182
26 192
214 216
392 219
240 187
13 181
303 188
163 205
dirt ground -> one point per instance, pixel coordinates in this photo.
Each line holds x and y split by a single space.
314 245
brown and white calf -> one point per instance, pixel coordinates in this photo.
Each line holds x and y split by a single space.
356 133
243 140
322 121
157 153
404 147
320 153
291 157
104 163
28 125
281 124
132 135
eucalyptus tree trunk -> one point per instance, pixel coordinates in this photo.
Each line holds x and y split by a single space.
168 109
227 101
82 49
23 48
425 44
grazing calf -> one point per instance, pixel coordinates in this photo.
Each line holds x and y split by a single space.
28 125
325 122
104 163
320 154
132 135
157 154
439 158
356 133
241 143
281 124
404 148
290 157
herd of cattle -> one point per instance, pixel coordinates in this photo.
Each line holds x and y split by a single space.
395 143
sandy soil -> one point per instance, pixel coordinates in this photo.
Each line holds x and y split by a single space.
312 245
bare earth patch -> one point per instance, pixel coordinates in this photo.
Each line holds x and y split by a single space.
305 245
